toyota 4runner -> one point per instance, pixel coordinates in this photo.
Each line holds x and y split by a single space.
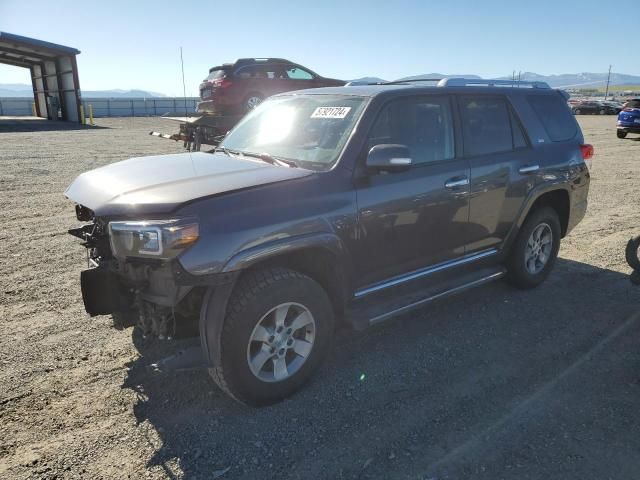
341 204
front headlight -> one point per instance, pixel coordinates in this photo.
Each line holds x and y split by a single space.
162 239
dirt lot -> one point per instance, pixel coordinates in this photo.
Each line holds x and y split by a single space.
496 384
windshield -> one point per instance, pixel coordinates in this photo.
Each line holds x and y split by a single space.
310 130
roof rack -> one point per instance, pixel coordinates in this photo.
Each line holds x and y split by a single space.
473 82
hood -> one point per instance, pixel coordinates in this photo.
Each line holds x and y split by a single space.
161 183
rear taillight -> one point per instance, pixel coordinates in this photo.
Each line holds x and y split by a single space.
587 151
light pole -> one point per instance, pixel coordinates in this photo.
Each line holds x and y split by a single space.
606 93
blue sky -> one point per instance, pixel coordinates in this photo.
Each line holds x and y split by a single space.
135 44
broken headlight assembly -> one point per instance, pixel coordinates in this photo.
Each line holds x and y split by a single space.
161 239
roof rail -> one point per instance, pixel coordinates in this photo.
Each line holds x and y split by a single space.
411 80
261 60
473 82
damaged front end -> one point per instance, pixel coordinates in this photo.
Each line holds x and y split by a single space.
132 272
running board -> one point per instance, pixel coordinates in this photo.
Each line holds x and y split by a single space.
366 316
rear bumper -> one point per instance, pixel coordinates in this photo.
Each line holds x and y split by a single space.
628 127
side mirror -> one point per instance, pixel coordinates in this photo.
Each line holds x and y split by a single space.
389 158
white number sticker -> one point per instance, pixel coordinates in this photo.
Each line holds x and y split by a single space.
330 112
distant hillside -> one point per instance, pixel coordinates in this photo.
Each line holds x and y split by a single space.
439 75
23 90
581 80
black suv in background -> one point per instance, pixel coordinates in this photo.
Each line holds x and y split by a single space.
236 88
345 204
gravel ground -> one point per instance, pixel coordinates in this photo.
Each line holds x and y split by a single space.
498 383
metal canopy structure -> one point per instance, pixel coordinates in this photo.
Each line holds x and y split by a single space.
54 74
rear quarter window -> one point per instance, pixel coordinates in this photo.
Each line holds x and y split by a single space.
555 116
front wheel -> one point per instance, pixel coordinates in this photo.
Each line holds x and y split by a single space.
278 328
632 253
535 249
621 134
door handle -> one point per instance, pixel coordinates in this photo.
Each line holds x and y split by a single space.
529 169
456 182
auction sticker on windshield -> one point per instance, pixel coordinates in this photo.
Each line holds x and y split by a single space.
330 112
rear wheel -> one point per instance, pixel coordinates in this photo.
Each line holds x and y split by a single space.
277 330
621 134
535 249
577 111
632 253
252 101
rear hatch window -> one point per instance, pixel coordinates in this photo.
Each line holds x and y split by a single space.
555 116
217 72
633 103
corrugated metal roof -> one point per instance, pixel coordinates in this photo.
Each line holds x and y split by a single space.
34 45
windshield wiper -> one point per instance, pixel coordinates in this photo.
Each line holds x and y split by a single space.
226 151
267 157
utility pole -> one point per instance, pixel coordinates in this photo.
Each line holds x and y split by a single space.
606 93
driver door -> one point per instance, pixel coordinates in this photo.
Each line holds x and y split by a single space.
417 218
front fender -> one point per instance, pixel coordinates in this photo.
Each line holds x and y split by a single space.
272 249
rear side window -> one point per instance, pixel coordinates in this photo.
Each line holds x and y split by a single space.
421 123
555 116
633 103
486 125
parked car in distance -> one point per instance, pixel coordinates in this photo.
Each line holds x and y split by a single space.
617 106
332 205
236 88
629 118
593 108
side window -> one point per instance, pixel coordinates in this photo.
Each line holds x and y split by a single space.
421 123
297 73
251 71
486 126
555 116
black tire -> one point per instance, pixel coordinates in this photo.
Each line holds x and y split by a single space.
251 101
602 111
631 253
635 277
621 134
122 320
517 273
257 293
577 111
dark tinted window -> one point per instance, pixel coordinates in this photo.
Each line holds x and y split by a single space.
635 103
421 123
554 115
486 126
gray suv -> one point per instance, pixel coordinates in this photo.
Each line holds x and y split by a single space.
334 205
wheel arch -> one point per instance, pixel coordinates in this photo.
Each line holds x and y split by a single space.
554 196
319 256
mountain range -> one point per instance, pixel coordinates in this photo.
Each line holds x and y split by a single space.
565 80
24 90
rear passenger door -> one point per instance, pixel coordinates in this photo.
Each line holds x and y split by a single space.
415 218
497 149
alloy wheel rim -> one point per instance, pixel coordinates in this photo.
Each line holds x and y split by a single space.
281 342
538 250
253 102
